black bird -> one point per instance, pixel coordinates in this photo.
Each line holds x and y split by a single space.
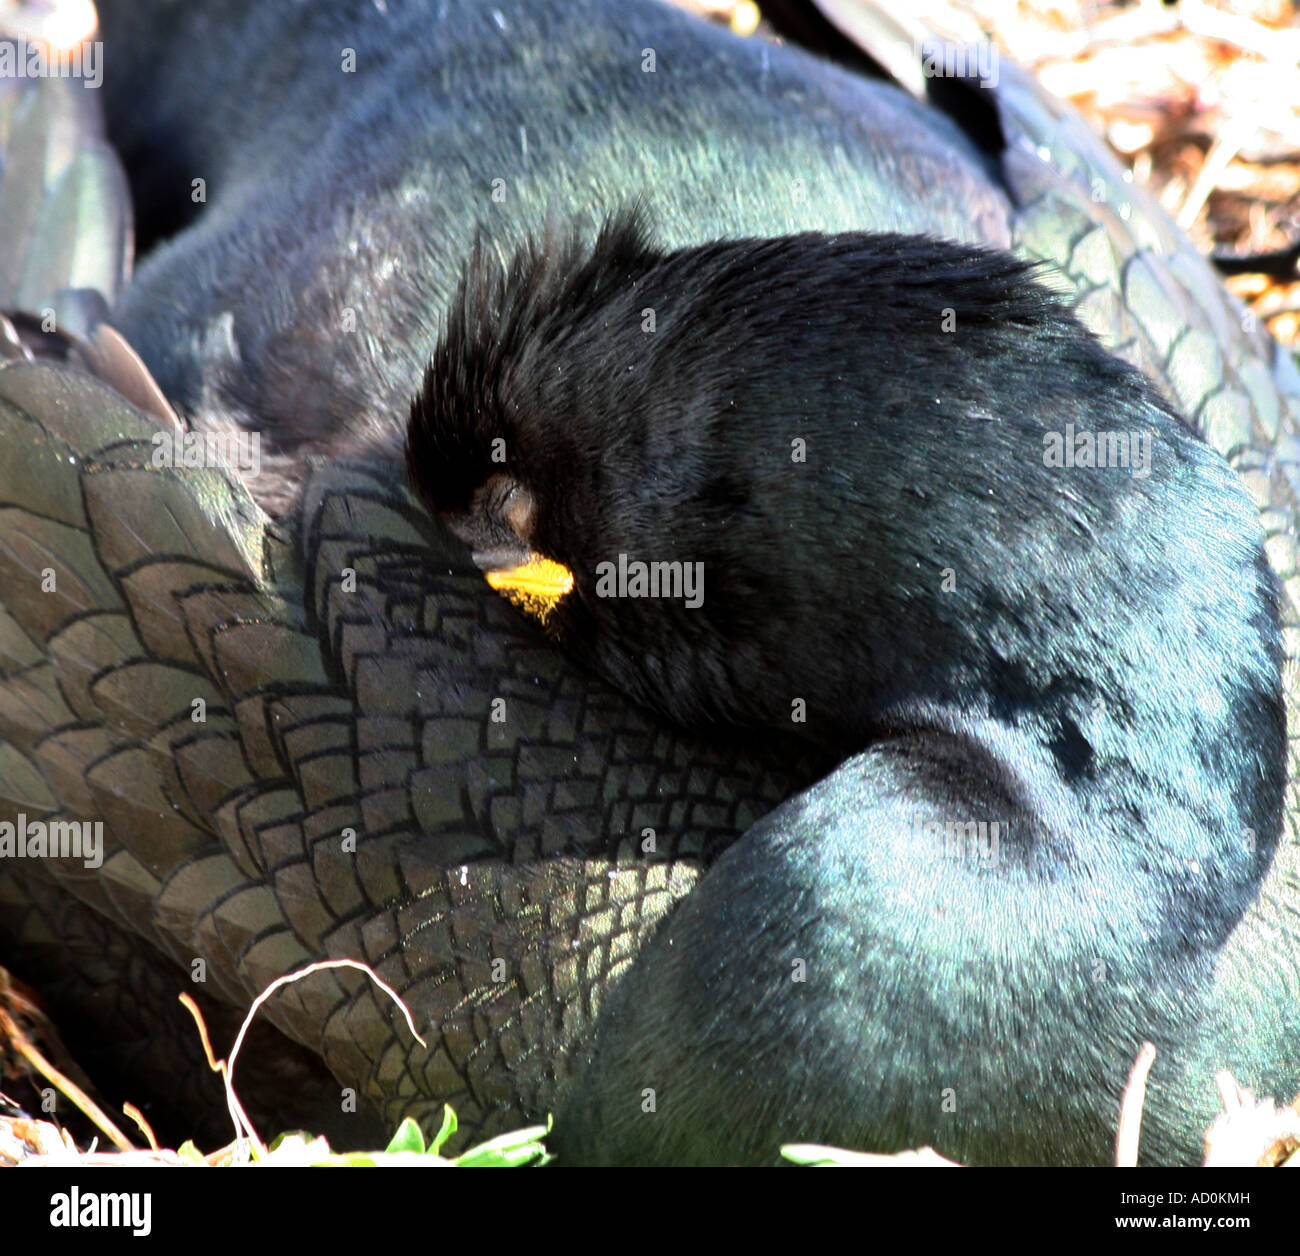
1059 724
927 514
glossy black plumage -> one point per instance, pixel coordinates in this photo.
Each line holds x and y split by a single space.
851 436
353 662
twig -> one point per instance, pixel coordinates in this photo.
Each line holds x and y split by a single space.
243 1126
1129 1132
19 1040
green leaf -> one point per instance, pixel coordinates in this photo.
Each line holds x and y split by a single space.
409 1137
448 1128
190 1154
507 1151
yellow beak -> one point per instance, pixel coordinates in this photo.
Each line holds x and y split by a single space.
535 586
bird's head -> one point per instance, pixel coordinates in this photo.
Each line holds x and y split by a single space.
578 427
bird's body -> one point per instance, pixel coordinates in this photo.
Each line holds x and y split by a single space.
850 439
1099 689
452 117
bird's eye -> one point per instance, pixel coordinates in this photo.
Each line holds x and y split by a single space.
517 511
